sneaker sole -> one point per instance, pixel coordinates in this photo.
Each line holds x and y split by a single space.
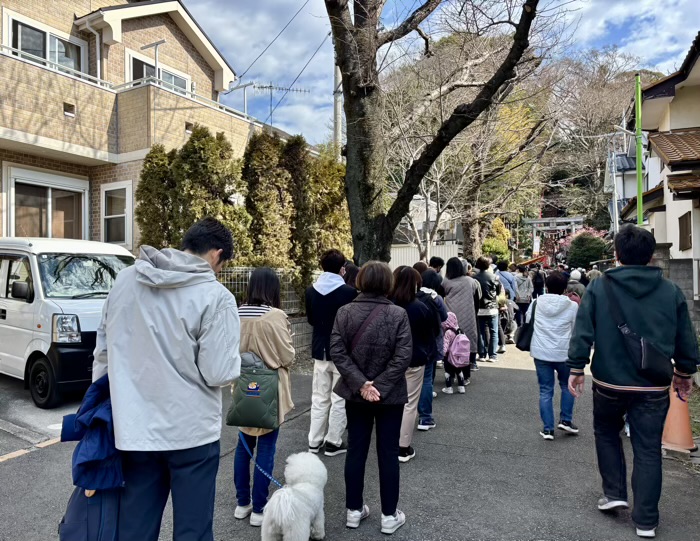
389 531
242 517
547 437
611 506
405 459
425 428
646 534
335 453
314 450
568 429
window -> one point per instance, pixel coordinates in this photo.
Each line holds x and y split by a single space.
141 69
685 241
33 218
35 42
180 83
18 271
68 109
117 213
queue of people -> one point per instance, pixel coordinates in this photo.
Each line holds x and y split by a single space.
377 339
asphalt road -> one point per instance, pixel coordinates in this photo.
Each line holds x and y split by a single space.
483 474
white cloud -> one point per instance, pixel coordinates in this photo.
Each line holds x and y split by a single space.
659 32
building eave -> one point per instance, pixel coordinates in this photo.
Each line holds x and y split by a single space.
110 20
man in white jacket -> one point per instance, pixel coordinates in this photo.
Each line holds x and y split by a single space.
169 340
555 315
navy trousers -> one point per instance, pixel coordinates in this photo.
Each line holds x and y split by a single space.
150 477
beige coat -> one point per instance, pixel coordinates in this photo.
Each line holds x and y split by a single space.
270 338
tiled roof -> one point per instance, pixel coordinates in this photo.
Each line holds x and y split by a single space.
677 147
684 183
624 163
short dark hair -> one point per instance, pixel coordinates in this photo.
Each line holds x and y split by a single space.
351 272
209 234
407 280
502 265
437 262
556 283
264 288
375 278
332 261
421 267
634 245
522 269
483 263
455 269
431 279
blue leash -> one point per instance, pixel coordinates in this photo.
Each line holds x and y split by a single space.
241 438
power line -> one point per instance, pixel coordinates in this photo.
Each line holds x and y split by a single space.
297 77
273 41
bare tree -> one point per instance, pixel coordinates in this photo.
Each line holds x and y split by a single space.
358 38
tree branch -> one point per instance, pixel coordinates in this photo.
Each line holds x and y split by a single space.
463 116
410 24
426 38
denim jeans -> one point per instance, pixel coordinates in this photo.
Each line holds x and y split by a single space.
361 419
265 458
521 313
425 402
545 377
646 414
488 324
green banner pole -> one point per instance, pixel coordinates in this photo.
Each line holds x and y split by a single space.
638 136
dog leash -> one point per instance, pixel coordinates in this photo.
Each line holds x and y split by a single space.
241 438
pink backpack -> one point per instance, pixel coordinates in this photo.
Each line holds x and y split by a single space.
460 350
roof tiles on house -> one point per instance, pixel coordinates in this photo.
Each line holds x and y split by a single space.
677 147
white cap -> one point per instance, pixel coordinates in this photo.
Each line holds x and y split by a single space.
575 275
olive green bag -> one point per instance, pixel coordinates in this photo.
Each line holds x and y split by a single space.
255 395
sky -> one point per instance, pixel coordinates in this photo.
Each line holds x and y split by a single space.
660 32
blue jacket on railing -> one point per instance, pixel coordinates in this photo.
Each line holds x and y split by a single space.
97 463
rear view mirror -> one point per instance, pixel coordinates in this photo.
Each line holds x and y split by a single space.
20 290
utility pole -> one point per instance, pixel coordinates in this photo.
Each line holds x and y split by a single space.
613 172
337 112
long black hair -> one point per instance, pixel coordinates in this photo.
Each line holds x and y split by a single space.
264 288
455 269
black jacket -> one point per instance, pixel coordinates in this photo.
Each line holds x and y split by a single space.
382 354
653 307
490 289
320 313
423 332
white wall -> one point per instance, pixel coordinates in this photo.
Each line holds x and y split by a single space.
685 108
657 222
407 254
674 210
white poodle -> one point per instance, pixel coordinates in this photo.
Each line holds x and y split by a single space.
295 512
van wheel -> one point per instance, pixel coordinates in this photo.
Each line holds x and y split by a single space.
42 384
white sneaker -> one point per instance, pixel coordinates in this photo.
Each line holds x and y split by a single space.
607 504
392 523
461 389
354 518
502 349
243 512
434 394
448 390
646 533
256 519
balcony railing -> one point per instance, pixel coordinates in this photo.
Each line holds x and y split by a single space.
54 66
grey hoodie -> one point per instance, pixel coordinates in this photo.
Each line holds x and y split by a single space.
169 339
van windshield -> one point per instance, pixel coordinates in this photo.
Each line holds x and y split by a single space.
80 276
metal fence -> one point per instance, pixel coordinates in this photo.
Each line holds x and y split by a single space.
236 280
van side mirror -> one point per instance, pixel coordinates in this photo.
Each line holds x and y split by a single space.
20 290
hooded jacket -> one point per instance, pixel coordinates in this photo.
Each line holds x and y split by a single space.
554 322
169 338
524 288
323 299
653 307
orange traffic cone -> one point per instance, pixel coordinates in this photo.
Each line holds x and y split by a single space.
678 435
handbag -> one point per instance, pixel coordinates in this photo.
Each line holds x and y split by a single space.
523 336
255 395
654 365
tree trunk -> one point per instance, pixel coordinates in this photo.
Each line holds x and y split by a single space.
471 227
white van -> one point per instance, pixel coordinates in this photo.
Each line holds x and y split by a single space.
51 297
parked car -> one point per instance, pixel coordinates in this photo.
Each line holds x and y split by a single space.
51 297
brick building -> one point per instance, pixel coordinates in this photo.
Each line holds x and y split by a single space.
82 102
